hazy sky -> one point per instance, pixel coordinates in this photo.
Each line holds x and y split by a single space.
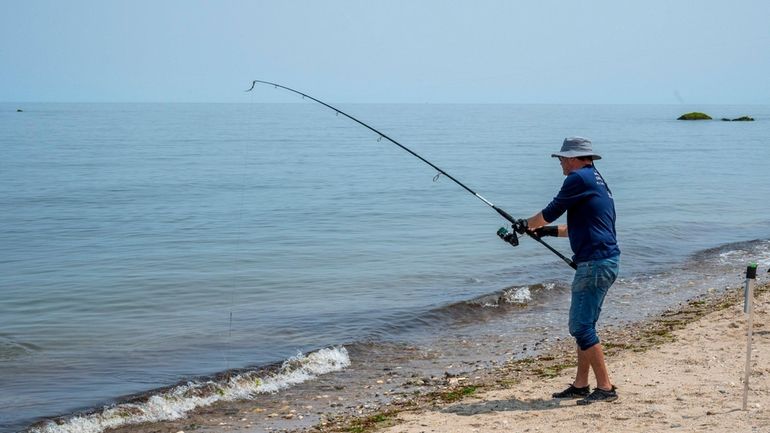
435 51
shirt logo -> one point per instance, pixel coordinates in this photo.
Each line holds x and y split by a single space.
600 181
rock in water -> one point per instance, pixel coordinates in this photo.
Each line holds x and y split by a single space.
694 116
739 119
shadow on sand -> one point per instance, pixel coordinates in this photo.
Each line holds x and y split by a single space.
506 406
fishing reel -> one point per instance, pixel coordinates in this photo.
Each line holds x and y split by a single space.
518 226
511 237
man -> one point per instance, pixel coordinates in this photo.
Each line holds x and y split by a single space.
590 227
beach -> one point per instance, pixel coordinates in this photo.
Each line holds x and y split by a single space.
680 371
692 383
164 279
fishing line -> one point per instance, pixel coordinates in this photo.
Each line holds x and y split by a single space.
238 248
382 135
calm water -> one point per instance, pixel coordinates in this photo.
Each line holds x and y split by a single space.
131 234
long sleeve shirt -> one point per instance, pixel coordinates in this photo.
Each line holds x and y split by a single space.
590 214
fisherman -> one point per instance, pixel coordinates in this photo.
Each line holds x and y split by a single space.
590 227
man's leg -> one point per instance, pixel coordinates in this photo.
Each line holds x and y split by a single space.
579 388
583 367
604 390
594 356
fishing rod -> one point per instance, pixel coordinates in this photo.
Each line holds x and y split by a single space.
511 238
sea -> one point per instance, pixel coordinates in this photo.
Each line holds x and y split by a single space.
154 249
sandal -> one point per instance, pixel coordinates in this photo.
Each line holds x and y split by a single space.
600 395
573 392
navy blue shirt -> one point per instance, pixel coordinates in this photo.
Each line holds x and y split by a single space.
590 215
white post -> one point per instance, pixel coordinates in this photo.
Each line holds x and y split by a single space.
748 308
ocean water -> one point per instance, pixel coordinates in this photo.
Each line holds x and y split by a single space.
145 245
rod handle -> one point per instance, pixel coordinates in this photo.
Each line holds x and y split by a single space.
504 214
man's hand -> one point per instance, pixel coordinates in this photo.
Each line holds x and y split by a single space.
520 226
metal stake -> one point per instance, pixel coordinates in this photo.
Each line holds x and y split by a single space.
748 308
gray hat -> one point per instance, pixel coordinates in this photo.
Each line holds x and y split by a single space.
574 147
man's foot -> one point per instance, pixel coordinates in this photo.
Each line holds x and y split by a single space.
573 392
600 395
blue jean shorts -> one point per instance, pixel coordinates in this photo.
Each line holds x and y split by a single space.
592 281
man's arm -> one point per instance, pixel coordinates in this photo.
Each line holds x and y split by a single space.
538 221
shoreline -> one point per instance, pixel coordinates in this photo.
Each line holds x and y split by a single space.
394 400
680 370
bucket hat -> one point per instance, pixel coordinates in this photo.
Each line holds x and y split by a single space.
574 147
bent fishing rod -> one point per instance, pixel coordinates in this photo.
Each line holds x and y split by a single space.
511 238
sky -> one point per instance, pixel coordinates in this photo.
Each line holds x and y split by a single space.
394 51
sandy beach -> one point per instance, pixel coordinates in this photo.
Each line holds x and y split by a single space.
692 383
680 371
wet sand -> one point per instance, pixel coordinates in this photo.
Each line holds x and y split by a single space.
693 382
681 371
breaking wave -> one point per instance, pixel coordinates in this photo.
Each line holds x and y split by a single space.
511 296
177 401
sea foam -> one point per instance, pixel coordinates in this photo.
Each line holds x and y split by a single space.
179 400
516 295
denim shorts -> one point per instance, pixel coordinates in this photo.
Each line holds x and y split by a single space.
592 281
